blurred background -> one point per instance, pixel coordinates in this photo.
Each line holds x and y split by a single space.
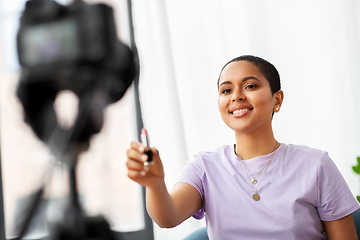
182 47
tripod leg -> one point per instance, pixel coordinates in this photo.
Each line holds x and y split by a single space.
31 208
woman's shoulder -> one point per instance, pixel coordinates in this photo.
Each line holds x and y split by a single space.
220 154
220 151
305 153
303 149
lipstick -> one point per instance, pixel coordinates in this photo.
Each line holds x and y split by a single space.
145 141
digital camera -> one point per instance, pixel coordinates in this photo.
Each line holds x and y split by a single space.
73 48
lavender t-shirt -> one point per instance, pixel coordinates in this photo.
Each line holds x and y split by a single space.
301 188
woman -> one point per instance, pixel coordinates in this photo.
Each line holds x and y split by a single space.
258 188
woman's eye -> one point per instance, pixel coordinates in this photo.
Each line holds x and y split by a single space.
251 86
225 91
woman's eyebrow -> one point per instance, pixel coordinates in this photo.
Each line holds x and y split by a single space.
225 82
243 80
250 77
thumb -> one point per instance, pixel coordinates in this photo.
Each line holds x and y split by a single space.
155 155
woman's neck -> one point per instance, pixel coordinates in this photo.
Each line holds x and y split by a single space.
252 145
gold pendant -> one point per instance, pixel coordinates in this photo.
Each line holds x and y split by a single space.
256 197
254 181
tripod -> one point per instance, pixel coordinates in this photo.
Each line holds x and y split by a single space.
75 225
97 83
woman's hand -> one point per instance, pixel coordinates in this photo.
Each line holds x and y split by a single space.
151 175
165 209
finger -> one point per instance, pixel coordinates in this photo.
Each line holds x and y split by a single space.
135 175
136 155
155 155
135 165
137 146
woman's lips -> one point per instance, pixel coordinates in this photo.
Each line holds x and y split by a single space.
240 112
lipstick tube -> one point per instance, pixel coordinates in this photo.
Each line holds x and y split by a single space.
145 141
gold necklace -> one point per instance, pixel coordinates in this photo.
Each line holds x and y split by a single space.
253 181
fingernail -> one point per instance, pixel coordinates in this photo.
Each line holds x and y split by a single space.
142 173
144 157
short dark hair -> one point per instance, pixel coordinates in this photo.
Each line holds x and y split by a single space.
267 69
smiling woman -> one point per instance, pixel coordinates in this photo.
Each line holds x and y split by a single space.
289 191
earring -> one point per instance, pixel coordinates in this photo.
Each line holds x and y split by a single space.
277 108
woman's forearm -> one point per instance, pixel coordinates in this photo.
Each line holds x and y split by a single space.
161 206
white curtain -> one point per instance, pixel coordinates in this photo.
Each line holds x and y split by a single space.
184 44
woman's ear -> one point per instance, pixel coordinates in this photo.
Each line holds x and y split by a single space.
278 97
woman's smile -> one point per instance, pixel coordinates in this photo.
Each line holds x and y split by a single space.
239 111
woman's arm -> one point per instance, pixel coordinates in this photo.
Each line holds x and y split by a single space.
170 209
341 229
166 209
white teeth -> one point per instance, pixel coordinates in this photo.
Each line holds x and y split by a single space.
240 110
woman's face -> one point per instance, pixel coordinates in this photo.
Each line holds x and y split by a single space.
245 101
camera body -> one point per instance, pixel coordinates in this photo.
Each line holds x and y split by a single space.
75 48
52 36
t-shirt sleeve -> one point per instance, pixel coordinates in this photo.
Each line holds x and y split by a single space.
335 199
192 174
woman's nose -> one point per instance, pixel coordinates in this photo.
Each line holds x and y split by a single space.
238 96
